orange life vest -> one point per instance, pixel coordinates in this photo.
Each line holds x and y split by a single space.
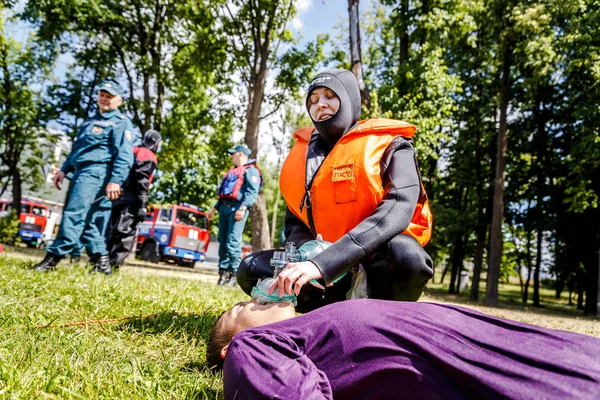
347 187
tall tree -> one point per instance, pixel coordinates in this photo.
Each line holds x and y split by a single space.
134 39
256 30
356 65
23 66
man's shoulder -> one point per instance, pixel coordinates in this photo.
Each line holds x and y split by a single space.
121 118
252 170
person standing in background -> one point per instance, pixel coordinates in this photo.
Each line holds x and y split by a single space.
237 193
131 209
100 161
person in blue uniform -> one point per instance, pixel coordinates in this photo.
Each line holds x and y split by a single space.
238 191
100 161
75 258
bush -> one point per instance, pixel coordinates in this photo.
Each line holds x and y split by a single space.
9 227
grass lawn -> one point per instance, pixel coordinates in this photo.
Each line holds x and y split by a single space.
157 354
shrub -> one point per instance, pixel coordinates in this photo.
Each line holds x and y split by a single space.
9 227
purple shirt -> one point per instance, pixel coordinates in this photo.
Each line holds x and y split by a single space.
374 349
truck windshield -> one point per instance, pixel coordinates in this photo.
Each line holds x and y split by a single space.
39 211
190 218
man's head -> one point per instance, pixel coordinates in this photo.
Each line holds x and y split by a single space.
109 96
152 140
333 102
240 154
242 316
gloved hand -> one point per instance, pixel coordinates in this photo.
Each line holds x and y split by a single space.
141 215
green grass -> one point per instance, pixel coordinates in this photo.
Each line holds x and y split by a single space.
158 356
158 353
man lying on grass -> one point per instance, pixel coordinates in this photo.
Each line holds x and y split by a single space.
379 349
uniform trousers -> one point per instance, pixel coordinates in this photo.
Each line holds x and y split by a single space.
87 213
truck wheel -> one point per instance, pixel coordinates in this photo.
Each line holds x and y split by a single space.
149 253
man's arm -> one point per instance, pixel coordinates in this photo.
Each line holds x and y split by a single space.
252 184
267 365
392 216
122 152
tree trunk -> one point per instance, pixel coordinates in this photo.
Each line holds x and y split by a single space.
274 218
260 225
444 274
491 295
592 266
528 261
477 263
538 266
404 32
355 52
580 290
458 255
17 193
258 212
598 283
160 99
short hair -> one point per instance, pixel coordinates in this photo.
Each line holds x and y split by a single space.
218 338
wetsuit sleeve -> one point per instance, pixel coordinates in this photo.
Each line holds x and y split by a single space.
252 185
267 366
295 230
143 172
391 217
122 152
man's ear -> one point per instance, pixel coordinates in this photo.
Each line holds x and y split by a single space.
224 352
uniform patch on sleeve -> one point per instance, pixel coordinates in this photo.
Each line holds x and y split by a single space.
343 173
254 179
128 136
96 130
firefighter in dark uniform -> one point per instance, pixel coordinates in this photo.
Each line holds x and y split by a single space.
238 191
100 161
131 208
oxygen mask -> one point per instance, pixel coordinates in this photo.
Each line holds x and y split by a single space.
280 259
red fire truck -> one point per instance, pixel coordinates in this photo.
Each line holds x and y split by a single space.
174 233
34 217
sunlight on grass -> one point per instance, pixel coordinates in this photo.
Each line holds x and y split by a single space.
158 356
159 352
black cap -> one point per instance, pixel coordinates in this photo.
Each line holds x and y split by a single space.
152 139
343 83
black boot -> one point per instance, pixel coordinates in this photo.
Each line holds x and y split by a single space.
101 264
223 277
48 263
232 280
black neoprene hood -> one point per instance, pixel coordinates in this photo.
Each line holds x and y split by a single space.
343 83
